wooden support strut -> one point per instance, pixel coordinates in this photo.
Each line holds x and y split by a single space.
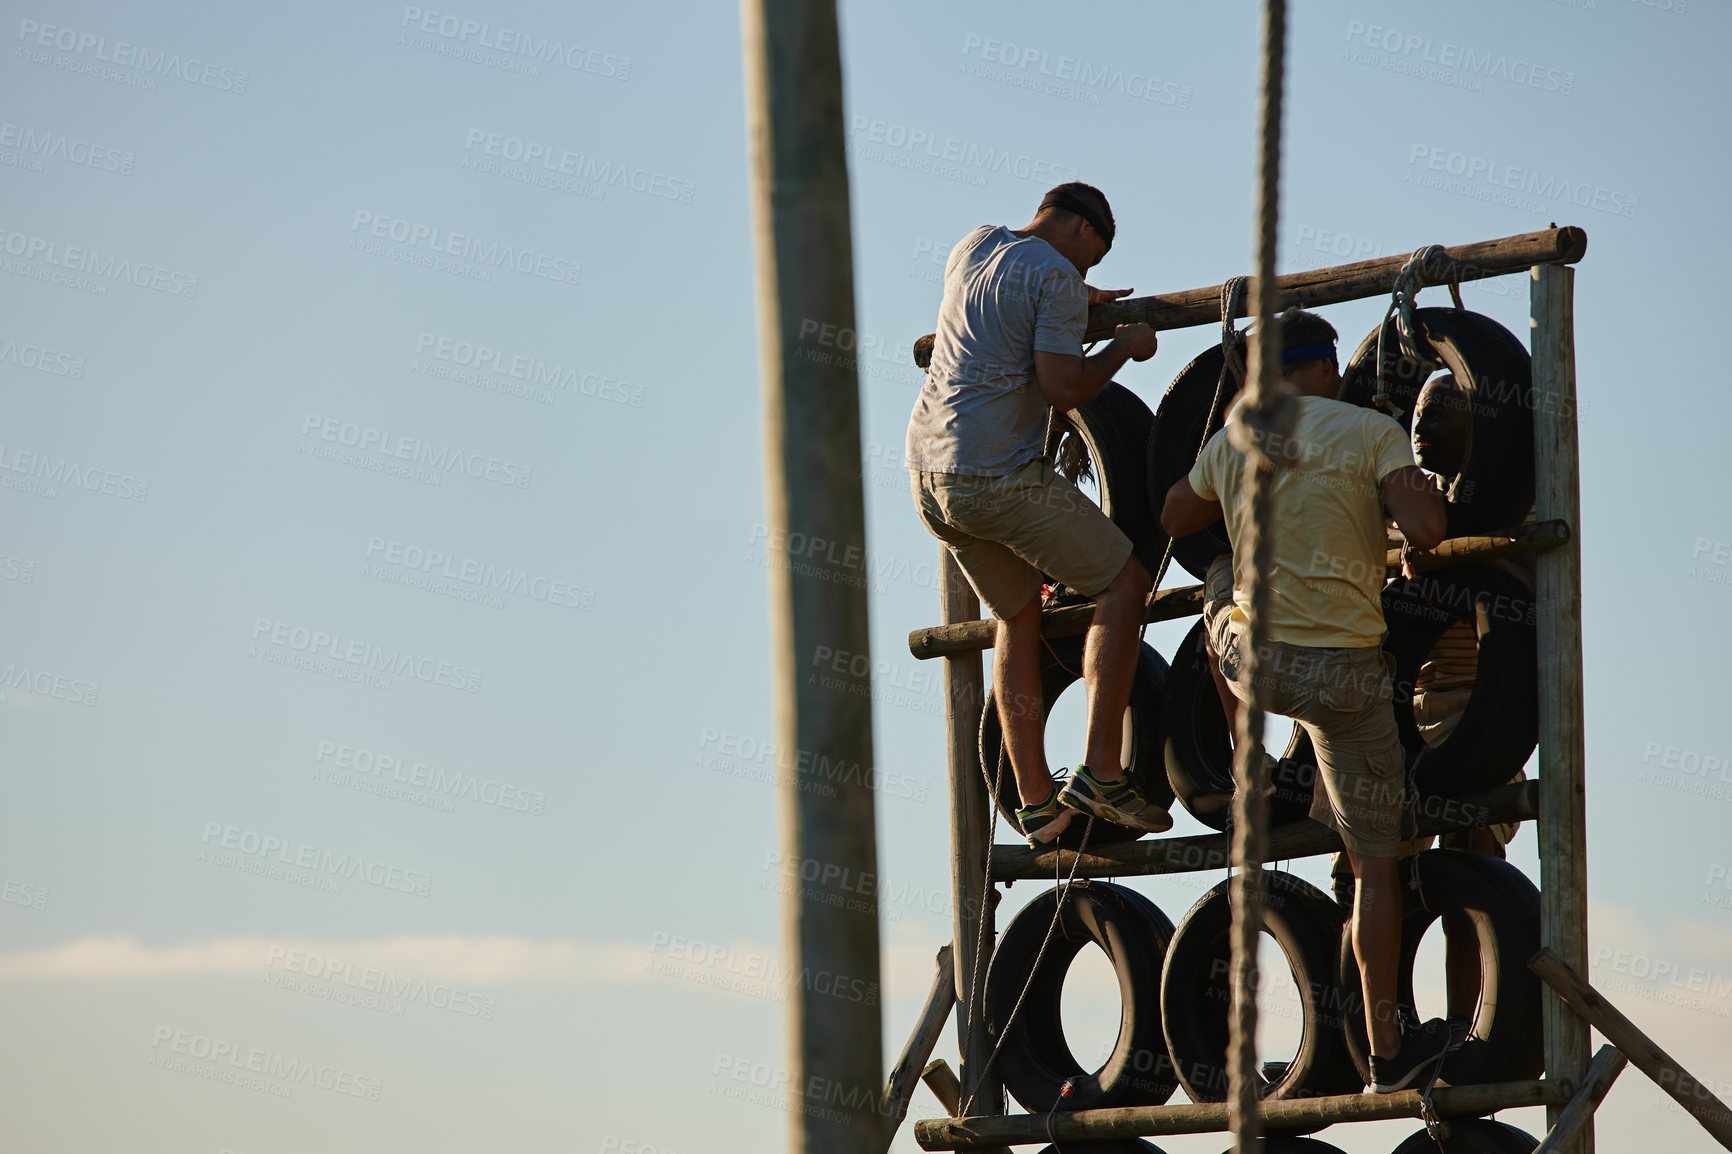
955 637
1327 286
908 1068
1211 1117
944 1086
1515 801
1591 1007
1602 1072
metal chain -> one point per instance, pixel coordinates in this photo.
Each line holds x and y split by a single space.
1402 302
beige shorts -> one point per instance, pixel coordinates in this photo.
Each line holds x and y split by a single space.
1342 698
1006 532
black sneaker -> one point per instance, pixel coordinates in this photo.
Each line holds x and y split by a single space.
1421 1047
1042 823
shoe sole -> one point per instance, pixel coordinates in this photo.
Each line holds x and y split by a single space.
1107 812
1050 832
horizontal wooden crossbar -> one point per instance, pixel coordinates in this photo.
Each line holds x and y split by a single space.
1209 1117
1171 604
1517 801
1334 284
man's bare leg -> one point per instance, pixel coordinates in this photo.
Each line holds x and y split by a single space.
1110 665
1016 690
1376 944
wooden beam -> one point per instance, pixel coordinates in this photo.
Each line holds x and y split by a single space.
1211 1117
1327 286
1602 1072
948 1091
966 636
1516 801
970 838
1563 832
1535 538
907 1070
1592 1009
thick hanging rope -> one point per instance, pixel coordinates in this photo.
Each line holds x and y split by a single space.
1266 414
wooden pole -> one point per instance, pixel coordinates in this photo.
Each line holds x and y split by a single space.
1602 1072
802 237
970 841
1558 596
1343 282
1593 1009
948 1091
907 1070
1211 1117
1184 600
1511 802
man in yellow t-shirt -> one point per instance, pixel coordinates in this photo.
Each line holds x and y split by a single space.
1322 663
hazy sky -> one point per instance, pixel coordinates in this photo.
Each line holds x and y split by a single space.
385 693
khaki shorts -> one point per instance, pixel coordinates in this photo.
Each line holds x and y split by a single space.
1005 532
1342 698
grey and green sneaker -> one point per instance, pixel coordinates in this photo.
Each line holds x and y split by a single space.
1042 823
1114 801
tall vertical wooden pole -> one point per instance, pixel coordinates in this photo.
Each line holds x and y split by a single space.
1558 592
970 834
817 596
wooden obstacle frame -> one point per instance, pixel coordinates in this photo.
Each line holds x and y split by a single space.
1572 1087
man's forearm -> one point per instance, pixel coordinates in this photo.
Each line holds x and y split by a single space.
1096 372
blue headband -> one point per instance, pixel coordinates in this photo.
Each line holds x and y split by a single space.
1315 351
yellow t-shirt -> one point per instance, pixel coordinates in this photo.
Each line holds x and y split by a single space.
1329 530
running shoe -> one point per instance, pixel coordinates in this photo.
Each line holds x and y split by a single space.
1114 801
1421 1047
1042 823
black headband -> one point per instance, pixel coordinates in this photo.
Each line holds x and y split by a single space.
1058 198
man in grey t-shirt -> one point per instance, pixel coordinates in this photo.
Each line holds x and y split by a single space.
1009 345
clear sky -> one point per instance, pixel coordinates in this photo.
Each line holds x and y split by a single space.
386 676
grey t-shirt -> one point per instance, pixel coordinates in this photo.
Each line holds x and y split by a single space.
981 411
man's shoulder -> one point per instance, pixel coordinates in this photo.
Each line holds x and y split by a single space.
1345 415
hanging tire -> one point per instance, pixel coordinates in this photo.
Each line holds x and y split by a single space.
1506 1043
1197 749
1106 1146
1113 426
1175 437
1196 986
1060 667
1499 728
1036 1060
1472 1136
1495 487
1291 1144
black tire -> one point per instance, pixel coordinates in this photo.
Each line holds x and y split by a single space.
1291 1144
1503 906
1061 667
1036 1060
1106 1146
1114 428
1197 750
1495 487
1175 438
1500 726
1472 1136
1196 985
